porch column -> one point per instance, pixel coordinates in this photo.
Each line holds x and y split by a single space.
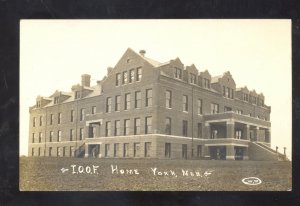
268 135
255 133
246 155
230 152
86 150
246 132
230 129
86 132
207 131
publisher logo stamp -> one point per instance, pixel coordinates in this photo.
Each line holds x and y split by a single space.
251 181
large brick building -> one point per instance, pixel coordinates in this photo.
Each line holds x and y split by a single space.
147 109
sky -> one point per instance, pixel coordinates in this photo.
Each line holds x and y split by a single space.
55 53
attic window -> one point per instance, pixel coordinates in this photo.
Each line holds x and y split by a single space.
38 103
56 100
128 60
178 73
77 95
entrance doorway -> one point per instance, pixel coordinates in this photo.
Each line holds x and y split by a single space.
239 153
93 150
217 152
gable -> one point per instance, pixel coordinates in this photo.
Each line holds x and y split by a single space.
192 69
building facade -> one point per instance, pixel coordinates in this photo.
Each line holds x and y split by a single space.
146 109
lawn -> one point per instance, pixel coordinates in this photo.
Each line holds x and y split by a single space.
74 174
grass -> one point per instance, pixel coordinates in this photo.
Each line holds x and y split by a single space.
44 174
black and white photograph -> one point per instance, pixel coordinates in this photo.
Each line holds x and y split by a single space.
155 105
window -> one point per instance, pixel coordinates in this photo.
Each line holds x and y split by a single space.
71 134
51 119
117 127
206 83
72 115
168 126
125 78
40 137
254 100
199 130
108 129
127 101
148 97
245 97
184 151
39 151
59 118
232 94
77 95
199 150
50 151
58 152
137 126
192 78
138 99
214 134
138 74
147 149
38 103
185 103
178 73
72 151
56 100
59 136
51 136
33 137
82 114
64 151
116 149
41 121
33 121
199 108
136 149
126 148
106 152
108 104
81 133
131 75
148 125
168 150
126 126
214 108
227 109
93 109
184 128
118 79
238 134
168 99
239 111
32 152
117 103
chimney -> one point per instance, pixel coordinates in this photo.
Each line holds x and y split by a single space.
85 80
142 53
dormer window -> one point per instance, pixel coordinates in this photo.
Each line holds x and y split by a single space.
56 100
227 92
192 78
77 95
206 83
246 97
178 73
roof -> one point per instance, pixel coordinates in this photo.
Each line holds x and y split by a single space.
151 61
215 79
